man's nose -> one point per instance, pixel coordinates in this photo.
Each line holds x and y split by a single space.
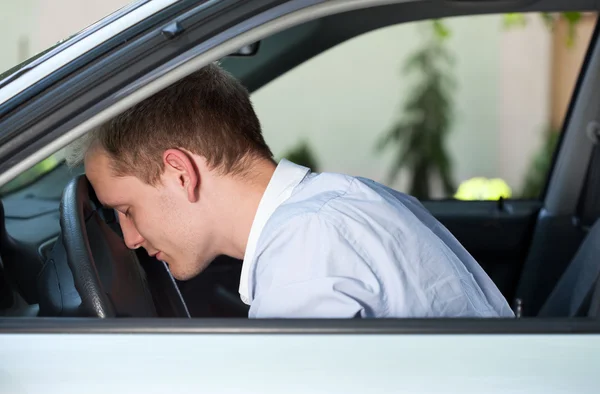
133 239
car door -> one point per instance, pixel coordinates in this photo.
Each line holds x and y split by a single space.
188 355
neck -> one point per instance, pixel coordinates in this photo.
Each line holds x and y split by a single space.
236 201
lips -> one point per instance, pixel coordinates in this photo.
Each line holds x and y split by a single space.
157 255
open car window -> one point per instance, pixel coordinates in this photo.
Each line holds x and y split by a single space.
497 110
467 108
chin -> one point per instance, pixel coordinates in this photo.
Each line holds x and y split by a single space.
180 275
183 274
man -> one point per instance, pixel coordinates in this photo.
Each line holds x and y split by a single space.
192 178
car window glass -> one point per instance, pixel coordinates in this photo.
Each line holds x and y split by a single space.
466 107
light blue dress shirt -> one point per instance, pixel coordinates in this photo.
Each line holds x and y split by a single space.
334 246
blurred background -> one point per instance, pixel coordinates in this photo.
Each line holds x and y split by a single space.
466 107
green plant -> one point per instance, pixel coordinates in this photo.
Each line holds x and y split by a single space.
517 19
303 155
535 178
419 135
550 19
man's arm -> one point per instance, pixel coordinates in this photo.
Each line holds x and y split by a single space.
312 268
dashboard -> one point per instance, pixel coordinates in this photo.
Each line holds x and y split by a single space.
32 213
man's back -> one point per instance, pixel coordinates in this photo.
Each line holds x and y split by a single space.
341 246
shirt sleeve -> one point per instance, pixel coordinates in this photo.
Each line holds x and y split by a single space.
313 268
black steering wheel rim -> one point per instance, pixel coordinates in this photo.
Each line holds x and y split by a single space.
107 275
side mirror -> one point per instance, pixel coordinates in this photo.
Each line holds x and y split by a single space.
248 50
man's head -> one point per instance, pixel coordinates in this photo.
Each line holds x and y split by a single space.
170 165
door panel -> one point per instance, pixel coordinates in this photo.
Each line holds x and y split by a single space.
496 234
157 358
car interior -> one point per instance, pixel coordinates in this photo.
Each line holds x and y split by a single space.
546 262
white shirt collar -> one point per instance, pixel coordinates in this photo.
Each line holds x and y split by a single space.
286 177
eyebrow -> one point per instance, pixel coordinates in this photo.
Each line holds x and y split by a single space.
104 205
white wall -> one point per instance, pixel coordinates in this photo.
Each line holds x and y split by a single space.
340 101
31 26
18 36
475 42
525 95
60 19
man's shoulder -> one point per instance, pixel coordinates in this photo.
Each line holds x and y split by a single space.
324 192
339 200
316 196
316 192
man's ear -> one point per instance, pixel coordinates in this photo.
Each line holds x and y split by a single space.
181 169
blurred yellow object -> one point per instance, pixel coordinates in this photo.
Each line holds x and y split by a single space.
480 188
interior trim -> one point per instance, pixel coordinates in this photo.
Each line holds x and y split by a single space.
297 326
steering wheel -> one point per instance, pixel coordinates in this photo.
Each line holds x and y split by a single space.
107 276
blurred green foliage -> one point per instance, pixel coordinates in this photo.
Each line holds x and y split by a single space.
537 174
420 134
30 175
303 155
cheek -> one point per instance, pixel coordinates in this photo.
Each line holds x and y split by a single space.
170 218
151 220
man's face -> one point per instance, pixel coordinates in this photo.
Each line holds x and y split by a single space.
157 218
